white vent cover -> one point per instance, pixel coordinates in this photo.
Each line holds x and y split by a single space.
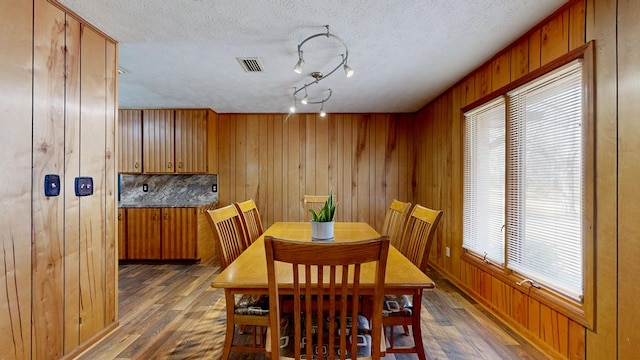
251 64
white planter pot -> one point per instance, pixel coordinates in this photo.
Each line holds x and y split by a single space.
322 231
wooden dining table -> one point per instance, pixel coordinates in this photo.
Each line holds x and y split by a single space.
248 273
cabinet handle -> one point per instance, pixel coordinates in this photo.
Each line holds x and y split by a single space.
180 165
169 165
166 216
154 217
137 165
119 216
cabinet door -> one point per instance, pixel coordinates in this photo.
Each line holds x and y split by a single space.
157 141
143 233
130 141
179 230
122 234
191 141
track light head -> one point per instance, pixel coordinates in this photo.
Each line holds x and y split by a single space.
298 67
348 70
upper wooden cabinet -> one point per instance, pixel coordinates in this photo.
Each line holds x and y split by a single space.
157 141
168 141
191 141
130 141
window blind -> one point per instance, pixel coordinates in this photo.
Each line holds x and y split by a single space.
484 179
545 181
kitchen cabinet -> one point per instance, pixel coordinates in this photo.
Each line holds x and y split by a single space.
122 234
179 235
130 141
169 233
191 141
174 141
143 233
158 141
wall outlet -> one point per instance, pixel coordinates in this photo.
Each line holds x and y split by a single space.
448 250
145 187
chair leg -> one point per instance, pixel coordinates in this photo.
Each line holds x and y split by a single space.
228 337
406 329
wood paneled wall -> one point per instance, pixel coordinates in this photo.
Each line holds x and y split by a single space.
59 275
615 27
276 159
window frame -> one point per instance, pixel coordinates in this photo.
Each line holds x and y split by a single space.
582 312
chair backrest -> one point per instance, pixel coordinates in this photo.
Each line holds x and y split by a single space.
418 235
314 202
231 239
250 219
335 270
394 221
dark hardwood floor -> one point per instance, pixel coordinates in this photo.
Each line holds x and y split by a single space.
171 312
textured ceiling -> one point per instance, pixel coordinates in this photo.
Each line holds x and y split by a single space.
182 53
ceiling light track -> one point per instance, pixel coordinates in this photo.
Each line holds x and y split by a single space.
318 76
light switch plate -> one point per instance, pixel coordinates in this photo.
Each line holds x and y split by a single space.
84 186
52 185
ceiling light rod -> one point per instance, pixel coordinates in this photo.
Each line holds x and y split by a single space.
317 75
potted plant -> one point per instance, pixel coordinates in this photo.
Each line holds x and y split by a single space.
323 220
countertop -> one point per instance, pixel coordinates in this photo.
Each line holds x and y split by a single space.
123 204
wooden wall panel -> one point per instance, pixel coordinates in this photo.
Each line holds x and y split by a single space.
555 38
212 142
353 154
501 71
16 18
628 172
93 243
72 202
48 158
438 135
602 26
110 184
143 239
520 59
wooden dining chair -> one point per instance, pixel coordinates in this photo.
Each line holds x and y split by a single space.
326 316
394 220
248 310
314 202
417 238
250 219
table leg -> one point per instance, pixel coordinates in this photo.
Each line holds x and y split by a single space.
228 337
415 324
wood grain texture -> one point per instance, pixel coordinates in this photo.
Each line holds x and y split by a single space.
601 26
628 172
16 74
356 155
191 141
110 185
48 158
130 141
93 242
520 59
143 233
554 38
158 141
212 142
72 202
170 311
179 234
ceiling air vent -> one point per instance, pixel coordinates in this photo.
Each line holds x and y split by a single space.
251 64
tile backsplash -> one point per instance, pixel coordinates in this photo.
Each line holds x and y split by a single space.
167 190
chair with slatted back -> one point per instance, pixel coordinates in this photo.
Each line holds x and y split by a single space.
250 219
248 310
314 202
416 240
327 314
394 221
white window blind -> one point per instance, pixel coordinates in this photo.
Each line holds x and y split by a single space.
484 179
545 181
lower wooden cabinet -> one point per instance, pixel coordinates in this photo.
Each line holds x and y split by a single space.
165 234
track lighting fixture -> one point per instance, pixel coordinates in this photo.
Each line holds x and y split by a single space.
316 75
